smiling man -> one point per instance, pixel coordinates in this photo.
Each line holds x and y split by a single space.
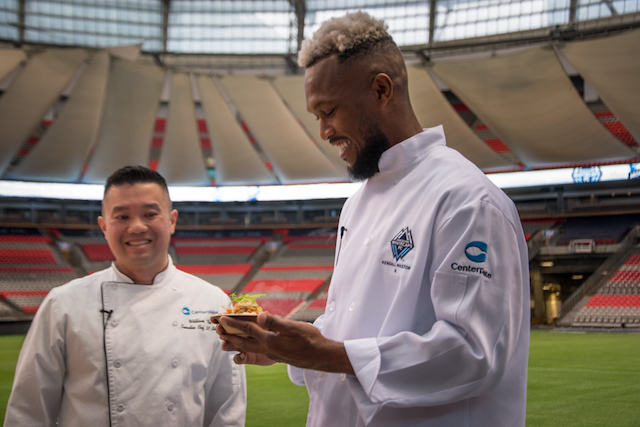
427 317
130 345
138 222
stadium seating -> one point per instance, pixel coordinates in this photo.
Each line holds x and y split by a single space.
7 311
93 252
204 250
295 275
299 285
18 249
28 301
601 229
97 251
282 296
532 226
30 266
225 277
30 238
617 302
306 251
611 122
26 256
311 309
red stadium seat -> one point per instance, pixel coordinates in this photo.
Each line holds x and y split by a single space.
216 269
318 303
279 306
26 256
97 251
215 250
18 238
300 285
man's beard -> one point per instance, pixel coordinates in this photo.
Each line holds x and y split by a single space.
366 163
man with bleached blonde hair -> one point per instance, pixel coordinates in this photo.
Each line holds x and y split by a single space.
427 317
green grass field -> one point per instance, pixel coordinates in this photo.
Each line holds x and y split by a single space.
575 380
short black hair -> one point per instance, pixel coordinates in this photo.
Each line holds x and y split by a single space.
135 175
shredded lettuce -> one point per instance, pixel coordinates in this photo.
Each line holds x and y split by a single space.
252 298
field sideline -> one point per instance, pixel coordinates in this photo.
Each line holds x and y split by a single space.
575 380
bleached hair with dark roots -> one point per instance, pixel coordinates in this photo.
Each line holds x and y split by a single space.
345 35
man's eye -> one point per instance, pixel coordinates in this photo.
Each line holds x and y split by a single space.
121 217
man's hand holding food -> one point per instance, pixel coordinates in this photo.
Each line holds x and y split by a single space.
275 339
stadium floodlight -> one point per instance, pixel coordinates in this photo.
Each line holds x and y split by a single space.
577 175
272 193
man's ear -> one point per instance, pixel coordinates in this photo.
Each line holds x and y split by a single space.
102 224
173 219
382 85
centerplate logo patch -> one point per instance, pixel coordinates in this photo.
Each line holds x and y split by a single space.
477 257
477 252
402 243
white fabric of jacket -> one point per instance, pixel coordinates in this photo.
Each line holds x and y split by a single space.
430 295
164 360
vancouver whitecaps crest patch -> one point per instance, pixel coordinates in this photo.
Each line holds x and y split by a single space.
402 243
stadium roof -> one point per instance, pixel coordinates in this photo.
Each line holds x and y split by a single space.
73 113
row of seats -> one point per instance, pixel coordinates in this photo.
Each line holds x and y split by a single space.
532 226
22 238
601 229
632 263
623 287
311 310
30 266
614 301
607 317
7 311
281 306
28 301
273 285
225 277
18 256
34 278
617 302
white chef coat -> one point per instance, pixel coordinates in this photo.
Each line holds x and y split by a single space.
430 295
164 359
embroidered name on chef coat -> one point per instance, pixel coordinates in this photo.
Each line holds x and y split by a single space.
197 320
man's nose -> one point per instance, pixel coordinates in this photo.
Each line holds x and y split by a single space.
137 225
326 130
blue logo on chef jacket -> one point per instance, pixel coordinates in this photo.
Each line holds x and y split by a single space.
186 311
476 251
402 243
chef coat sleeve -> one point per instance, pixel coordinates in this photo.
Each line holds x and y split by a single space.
225 391
478 319
37 385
